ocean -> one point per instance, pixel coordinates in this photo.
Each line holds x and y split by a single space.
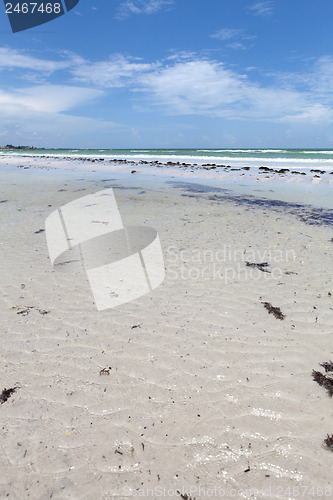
294 158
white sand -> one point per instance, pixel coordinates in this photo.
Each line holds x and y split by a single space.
210 391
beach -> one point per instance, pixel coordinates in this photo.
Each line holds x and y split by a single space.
202 387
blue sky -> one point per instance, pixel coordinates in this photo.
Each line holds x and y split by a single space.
171 74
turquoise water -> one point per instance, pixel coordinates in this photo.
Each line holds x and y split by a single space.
304 158
320 154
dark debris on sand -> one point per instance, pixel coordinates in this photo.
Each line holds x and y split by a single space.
328 365
262 266
25 310
6 393
324 381
185 496
329 442
327 383
306 213
276 311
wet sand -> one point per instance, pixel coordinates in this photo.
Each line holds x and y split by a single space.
196 389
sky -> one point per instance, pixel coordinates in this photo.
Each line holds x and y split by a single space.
171 74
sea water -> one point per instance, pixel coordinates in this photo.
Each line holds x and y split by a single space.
276 158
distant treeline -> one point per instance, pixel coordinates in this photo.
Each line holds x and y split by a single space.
10 146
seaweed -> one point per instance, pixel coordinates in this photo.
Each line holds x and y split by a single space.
329 441
328 365
105 371
260 265
306 213
66 262
282 171
316 171
323 381
6 393
276 311
43 312
185 496
25 310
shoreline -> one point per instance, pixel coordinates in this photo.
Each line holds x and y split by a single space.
288 185
284 167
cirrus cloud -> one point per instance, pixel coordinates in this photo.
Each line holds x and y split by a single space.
209 88
117 71
47 98
14 59
129 7
262 8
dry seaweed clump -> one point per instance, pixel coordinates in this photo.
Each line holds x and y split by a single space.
327 383
329 442
185 496
324 380
6 393
327 365
276 311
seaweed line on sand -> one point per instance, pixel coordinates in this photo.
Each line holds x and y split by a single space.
306 213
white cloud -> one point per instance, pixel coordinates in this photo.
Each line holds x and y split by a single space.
46 98
184 85
190 85
322 75
237 46
13 59
209 88
129 7
227 33
118 71
315 114
39 113
55 129
237 35
262 8
317 80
